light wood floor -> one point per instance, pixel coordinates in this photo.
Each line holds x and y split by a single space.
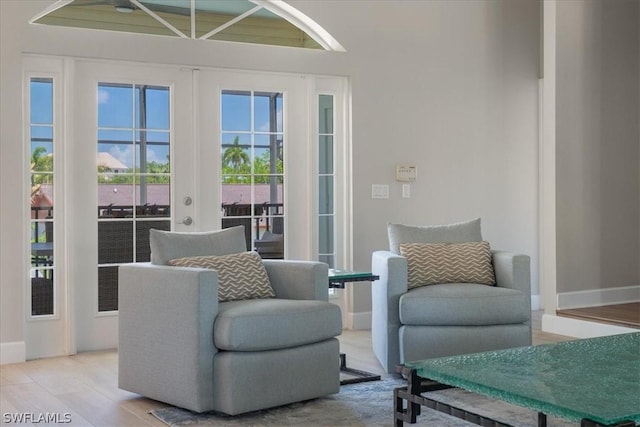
627 315
85 385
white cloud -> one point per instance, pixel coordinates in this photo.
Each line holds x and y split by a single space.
103 96
124 155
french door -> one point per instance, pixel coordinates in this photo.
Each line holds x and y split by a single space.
130 124
174 149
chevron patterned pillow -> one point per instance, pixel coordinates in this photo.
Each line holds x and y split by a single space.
433 263
240 276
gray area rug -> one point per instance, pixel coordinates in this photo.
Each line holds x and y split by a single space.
363 404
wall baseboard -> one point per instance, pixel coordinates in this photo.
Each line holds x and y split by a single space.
358 321
580 328
13 352
598 297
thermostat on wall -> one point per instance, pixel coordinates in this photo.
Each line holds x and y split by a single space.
406 173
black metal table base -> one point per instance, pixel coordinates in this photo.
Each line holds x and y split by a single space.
408 401
358 375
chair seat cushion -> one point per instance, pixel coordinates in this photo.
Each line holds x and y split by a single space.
269 324
463 304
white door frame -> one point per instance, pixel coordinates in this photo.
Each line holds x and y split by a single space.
78 326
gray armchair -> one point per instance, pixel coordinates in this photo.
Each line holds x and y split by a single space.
450 318
180 345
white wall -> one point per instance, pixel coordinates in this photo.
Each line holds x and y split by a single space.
449 86
598 145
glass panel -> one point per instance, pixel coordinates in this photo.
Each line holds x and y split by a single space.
269 242
262 27
154 156
326 154
107 288
265 27
42 231
42 293
325 194
325 234
134 177
115 151
253 157
236 111
103 15
115 242
210 15
269 190
326 247
116 192
143 251
41 164
157 197
115 105
236 153
154 101
41 101
325 110
42 148
268 112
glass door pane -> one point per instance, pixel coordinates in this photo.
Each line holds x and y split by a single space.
252 150
134 177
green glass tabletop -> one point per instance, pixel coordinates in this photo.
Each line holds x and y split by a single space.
335 274
596 379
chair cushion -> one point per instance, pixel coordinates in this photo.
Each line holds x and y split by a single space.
269 324
460 304
240 276
434 263
166 245
468 231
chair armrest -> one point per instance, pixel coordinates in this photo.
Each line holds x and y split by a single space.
166 317
299 279
385 305
513 271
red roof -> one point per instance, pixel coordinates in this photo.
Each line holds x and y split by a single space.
122 194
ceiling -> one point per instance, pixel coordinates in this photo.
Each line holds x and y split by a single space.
269 22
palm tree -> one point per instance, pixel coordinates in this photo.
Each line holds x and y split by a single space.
235 156
41 162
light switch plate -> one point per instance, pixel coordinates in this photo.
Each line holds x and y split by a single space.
379 191
406 191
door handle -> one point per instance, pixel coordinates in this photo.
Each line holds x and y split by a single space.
187 220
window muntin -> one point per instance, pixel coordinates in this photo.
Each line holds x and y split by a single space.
244 21
134 177
42 146
326 181
252 177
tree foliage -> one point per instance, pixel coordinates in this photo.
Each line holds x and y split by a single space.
41 162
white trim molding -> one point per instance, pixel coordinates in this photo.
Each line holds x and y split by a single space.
570 327
598 297
12 352
358 321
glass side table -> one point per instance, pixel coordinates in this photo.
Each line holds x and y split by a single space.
337 280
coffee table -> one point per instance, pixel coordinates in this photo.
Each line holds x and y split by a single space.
593 381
